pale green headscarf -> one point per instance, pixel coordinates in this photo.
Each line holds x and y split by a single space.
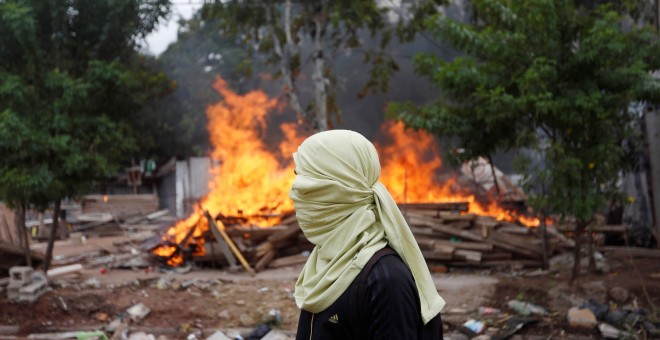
348 215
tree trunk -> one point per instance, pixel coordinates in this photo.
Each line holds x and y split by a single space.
320 93
19 219
492 170
577 263
285 52
53 234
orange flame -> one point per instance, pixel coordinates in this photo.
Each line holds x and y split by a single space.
410 166
252 180
249 180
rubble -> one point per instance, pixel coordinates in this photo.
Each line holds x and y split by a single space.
581 318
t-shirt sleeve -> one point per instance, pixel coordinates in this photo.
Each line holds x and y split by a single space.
392 301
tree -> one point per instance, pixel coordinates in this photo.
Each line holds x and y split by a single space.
290 35
192 63
546 76
70 78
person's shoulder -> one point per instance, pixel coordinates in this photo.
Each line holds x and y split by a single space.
392 270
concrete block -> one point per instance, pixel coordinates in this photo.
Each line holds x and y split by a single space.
22 275
33 291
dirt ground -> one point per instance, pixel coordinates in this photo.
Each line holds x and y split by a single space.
205 299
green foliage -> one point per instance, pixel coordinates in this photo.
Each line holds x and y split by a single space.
70 84
545 76
347 24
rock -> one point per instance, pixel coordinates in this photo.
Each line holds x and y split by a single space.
564 262
138 312
218 336
103 317
275 335
240 302
619 295
224 314
141 336
581 318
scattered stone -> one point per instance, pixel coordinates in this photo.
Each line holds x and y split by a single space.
619 295
138 312
103 317
240 302
141 336
564 262
224 314
218 335
581 318
275 335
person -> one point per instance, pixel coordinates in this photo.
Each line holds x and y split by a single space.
366 277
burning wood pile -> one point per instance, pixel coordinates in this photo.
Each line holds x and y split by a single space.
446 233
253 177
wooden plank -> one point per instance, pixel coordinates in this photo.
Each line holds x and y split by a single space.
265 260
61 271
450 206
437 255
479 246
288 261
451 216
508 243
290 231
469 255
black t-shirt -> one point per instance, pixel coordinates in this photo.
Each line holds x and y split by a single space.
388 308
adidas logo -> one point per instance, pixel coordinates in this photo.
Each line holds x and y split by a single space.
334 319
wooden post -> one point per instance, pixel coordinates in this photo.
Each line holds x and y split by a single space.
230 243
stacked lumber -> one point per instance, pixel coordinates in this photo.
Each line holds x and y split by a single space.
464 239
445 232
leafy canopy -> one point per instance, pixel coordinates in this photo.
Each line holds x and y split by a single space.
70 83
547 76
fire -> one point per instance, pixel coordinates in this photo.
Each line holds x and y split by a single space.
410 166
253 177
249 181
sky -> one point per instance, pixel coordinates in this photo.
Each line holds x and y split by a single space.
165 34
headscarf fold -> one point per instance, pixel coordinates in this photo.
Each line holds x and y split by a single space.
348 215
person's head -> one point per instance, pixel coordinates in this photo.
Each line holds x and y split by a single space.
335 170
330 154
